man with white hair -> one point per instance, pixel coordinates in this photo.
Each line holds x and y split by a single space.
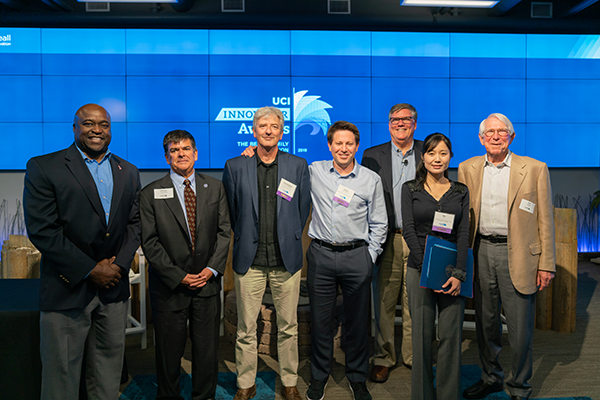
512 235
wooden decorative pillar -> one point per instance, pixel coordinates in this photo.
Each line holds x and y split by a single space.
556 305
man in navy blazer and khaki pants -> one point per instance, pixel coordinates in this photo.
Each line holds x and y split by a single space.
82 213
269 202
185 237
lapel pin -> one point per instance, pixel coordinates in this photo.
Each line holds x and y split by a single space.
206 185
119 166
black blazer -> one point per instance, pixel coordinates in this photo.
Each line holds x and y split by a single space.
379 159
66 223
167 245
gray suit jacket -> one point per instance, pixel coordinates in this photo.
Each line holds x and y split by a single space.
167 245
241 185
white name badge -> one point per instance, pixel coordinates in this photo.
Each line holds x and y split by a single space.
160 194
286 189
527 206
343 195
443 222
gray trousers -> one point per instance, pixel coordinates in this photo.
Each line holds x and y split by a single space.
422 303
494 289
98 330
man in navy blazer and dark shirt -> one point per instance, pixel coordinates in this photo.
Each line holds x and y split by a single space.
185 237
269 202
82 213
395 161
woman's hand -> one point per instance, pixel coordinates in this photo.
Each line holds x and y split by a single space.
451 287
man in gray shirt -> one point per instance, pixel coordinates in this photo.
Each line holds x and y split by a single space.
396 162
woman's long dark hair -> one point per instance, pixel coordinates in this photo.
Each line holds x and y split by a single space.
429 144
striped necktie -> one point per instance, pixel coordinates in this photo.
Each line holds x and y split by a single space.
190 209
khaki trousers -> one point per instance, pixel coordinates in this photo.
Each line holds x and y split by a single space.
250 288
388 284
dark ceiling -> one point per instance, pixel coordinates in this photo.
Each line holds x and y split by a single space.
510 16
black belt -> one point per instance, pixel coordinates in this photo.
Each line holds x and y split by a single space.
396 231
494 238
341 246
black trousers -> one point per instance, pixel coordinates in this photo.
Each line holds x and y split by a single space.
170 329
351 270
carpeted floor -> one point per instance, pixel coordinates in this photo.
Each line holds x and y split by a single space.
564 365
472 373
143 387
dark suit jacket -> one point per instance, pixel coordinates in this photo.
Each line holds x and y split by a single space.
67 224
241 184
379 159
167 245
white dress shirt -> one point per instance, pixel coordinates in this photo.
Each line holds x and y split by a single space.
493 216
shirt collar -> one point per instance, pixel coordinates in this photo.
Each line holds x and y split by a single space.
259 161
178 179
396 149
89 160
354 172
505 163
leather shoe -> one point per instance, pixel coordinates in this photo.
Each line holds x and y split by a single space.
245 394
379 373
290 393
517 398
482 389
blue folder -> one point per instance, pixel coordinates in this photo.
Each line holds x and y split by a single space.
438 262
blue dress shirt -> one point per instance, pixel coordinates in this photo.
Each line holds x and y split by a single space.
103 178
404 167
365 217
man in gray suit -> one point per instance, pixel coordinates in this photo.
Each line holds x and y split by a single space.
185 237
269 202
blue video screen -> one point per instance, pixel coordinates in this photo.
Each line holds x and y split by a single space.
210 82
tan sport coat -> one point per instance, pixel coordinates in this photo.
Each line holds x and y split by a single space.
530 235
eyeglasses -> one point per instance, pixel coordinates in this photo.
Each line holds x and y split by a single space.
405 120
500 132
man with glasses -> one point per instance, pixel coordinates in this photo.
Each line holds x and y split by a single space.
395 162
512 234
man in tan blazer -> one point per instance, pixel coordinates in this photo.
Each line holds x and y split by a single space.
512 234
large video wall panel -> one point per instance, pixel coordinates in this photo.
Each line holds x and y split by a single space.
210 82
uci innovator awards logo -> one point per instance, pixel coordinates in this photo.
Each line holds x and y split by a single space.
307 111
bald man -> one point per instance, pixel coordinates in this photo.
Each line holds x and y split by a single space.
81 211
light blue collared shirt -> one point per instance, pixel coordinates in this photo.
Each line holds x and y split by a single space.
179 188
103 178
365 217
404 168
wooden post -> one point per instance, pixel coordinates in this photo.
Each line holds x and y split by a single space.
564 285
20 260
